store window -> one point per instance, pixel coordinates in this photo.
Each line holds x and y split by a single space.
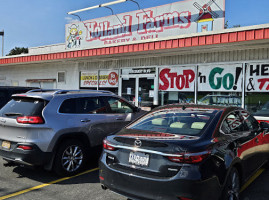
257 103
257 88
220 98
176 84
169 97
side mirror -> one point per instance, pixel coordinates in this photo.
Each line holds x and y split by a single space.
264 126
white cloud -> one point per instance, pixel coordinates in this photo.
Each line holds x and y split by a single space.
70 20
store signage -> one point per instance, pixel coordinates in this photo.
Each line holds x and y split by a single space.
177 78
222 78
109 78
170 20
148 70
257 77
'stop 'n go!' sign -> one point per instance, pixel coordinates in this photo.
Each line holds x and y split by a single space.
222 78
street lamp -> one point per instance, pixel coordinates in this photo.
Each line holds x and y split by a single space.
97 6
2 34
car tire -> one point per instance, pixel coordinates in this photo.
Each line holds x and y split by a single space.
232 187
70 158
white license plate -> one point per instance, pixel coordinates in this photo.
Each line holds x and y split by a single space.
6 144
138 158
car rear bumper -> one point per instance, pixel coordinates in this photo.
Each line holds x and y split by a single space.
34 157
137 187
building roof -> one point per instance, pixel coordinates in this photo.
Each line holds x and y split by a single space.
242 37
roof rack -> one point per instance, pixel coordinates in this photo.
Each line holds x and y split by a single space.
42 90
59 91
81 91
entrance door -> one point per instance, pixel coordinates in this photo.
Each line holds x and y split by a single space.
145 92
128 89
138 90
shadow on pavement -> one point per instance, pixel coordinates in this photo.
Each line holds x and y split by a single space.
40 175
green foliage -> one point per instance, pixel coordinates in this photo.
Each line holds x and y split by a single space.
17 51
226 25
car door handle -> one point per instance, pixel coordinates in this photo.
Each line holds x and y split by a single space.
85 120
119 118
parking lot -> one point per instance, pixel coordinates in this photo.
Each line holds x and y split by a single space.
25 183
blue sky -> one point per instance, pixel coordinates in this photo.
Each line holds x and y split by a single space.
31 23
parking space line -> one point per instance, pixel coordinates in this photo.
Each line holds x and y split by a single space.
46 184
256 175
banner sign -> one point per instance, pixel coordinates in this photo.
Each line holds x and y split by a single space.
134 71
177 79
185 17
257 78
221 78
109 78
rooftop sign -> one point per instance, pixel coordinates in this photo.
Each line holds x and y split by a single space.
170 20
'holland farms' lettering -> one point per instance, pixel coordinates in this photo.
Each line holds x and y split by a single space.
104 31
149 24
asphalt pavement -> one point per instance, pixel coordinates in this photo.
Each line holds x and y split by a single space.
26 184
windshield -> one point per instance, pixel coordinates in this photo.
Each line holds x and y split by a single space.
175 121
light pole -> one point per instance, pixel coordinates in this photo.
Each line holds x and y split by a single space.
2 34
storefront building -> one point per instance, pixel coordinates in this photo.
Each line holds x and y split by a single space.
192 59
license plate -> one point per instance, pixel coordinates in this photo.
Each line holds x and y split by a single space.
6 144
138 158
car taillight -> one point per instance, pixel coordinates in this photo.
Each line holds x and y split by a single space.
25 147
183 198
108 146
30 120
189 157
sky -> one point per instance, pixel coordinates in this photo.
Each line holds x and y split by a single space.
32 23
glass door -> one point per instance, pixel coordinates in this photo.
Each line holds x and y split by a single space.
146 92
128 89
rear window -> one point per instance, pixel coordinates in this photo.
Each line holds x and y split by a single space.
175 121
23 107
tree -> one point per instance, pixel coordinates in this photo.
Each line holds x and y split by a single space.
226 25
17 51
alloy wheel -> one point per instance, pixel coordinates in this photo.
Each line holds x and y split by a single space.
72 158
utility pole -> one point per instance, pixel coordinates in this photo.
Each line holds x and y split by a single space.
2 34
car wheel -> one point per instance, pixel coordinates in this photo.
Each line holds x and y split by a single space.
232 187
70 158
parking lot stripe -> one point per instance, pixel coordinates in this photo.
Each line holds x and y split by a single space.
256 175
46 184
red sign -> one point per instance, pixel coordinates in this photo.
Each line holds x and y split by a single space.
177 79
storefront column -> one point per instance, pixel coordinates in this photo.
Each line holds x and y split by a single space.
136 90
98 74
120 83
156 87
244 67
196 85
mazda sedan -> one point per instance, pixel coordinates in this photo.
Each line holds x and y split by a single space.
185 152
